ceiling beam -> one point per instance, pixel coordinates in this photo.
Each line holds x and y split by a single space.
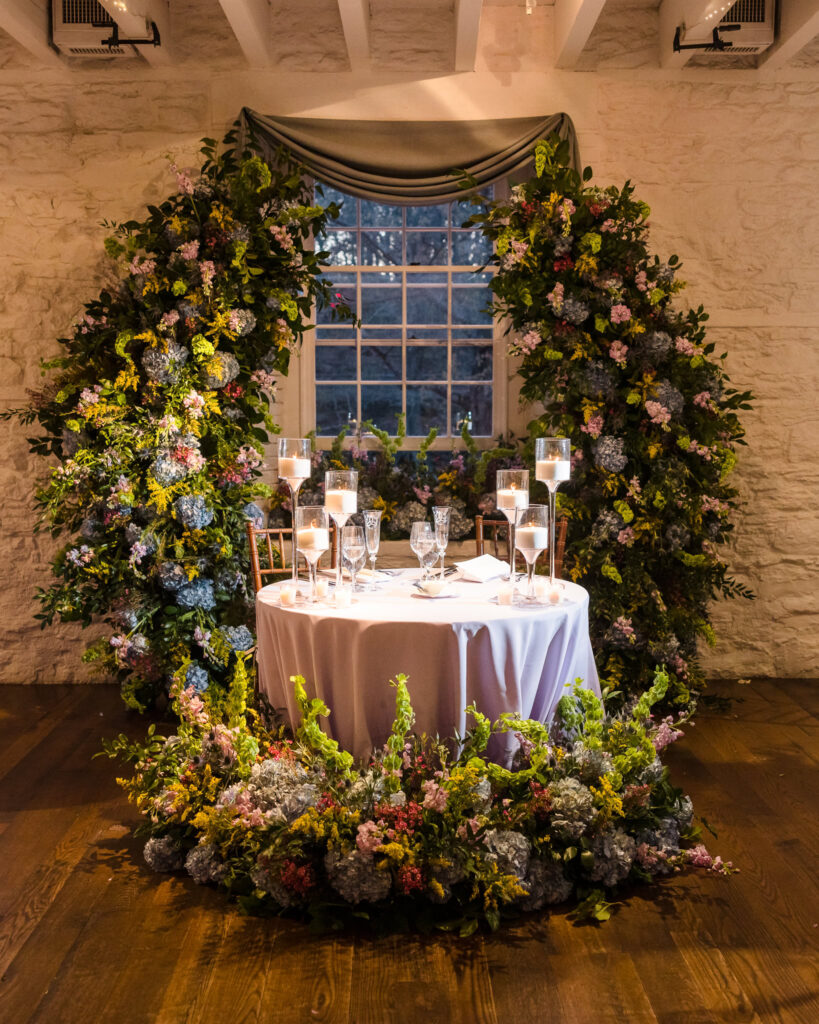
355 23
27 22
574 21
467 23
133 18
250 21
798 25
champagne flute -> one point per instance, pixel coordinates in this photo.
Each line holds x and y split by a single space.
553 465
372 536
441 515
511 494
532 537
294 468
312 529
353 550
422 542
341 502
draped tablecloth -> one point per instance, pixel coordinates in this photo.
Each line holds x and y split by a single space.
455 650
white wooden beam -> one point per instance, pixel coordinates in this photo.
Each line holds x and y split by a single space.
574 21
250 21
467 23
27 22
134 17
798 25
355 23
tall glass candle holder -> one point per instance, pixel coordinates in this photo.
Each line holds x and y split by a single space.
311 528
532 537
294 467
341 502
553 465
441 515
511 495
372 537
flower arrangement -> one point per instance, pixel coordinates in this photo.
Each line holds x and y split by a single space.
425 830
158 413
652 418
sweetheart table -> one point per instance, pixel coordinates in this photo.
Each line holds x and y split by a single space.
454 649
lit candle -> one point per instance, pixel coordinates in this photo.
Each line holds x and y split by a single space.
313 538
322 588
506 593
287 595
344 597
532 538
541 588
341 501
553 468
294 469
513 497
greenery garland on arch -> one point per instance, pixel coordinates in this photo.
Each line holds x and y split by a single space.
158 414
650 413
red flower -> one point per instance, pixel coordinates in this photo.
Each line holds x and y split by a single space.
563 263
403 819
300 878
410 879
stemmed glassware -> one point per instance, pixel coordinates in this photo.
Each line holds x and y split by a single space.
312 531
294 467
422 542
511 495
353 550
553 465
441 514
372 535
532 537
341 502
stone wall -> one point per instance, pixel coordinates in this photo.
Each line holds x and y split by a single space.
728 161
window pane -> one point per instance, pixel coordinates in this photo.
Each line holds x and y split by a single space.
380 248
421 277
426 408
381 305
471 247
381 362
335 407
381 277
347 203
426 248
339 294
470 277
382 333
339 332
468 306
428 216
473 403
381 403
426 305
419 334
426 362
379 215
472 362
335 362
340 245
472 333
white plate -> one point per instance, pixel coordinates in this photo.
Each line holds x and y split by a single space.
433 597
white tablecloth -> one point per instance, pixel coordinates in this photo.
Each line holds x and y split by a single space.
455 650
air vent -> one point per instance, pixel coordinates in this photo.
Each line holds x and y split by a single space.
755 33
78 28
85 12
746 11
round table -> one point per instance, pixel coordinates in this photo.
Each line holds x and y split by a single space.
455 650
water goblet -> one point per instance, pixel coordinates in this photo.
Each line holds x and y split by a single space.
441 515
312 530
422 542
532 537
353 550
512 494
553 465
341 502
294 468
372 536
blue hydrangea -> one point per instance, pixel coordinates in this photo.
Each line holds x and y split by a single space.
228 369
597 379
197 594
197 677
166 470
127 617
238 637
172 576
670 397
193 511
254 514
657 345
609 454
245 319
574 310
163 366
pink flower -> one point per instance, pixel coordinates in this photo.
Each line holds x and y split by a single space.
169 319
195 404
641 281
208 271
435 798
594 428
264 379
282 236
617 351
623 628
423 494
608 225
703 400
634 487
183 181
626 537
710 504
368 838
666 734
566 209
699 857
530 341
620 313
189 250
577 458
658 413
685 346
138 266
555 297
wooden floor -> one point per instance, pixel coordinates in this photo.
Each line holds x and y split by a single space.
88 934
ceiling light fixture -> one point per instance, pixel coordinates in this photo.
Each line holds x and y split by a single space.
530 6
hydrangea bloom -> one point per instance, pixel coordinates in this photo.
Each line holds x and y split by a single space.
198 594
226 368
172 576
254 514
572 808
546 884
509 850
164 365
242 321
238 637
197 677
163 854
203 864
670 397
193 511
614 851
656 345
356 878
609 454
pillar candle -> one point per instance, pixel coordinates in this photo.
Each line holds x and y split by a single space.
512 497
294 469
341 501
553 469
313 538
529 538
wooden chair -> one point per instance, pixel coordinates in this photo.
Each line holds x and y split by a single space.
276 545
496 532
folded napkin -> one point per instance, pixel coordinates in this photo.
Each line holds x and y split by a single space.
479 570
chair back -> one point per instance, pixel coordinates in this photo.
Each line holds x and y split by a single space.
494 533
270 553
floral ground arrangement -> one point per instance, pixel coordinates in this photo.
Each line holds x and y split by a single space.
418 836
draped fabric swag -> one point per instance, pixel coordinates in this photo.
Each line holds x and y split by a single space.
413 162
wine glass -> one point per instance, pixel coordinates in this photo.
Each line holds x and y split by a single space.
341 502
422 542
553 465
294 467
441 514
312 530
532 537
353 550
372 535
511 494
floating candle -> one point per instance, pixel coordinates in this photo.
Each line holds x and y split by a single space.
553 469
529 539
512 497
341 501
294 469
313 540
